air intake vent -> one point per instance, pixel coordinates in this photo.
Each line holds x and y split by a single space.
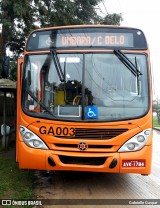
99 133
82 160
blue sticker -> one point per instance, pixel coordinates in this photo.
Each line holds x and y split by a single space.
91 112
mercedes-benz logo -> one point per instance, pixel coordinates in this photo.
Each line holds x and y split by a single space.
82 146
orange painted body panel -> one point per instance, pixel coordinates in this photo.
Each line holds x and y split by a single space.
38 159
30 158
144 153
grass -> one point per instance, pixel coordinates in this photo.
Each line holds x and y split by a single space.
155 122
14 183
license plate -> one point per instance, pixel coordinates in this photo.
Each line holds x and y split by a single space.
133 163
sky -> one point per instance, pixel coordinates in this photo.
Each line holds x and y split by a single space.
145 15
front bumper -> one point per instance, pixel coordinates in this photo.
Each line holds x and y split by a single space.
30 158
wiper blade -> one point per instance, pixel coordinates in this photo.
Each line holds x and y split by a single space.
58 66
138 85
125 60
39 102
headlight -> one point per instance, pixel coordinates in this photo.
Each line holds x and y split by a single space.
137 142
140 138
31 139
28 135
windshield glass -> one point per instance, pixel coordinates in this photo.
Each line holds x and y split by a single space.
95 87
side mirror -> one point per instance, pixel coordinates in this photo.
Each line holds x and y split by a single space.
6 60
29 78
5 67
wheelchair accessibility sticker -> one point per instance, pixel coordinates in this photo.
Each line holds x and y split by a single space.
91 112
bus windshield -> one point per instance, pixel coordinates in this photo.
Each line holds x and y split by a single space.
85 86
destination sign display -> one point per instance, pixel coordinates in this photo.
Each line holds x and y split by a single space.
86 38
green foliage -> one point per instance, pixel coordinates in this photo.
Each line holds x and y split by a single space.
155 122
156 108
112 19
19 18
67 12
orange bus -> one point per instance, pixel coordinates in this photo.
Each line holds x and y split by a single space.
84 100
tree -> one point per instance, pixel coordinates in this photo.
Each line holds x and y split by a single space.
112 19
67 12
156 108
19 18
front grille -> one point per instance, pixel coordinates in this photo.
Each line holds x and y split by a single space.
82 160
95 134
98 133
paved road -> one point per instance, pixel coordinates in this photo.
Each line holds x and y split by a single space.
84 185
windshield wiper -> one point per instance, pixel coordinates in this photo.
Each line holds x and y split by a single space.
39 102
58 66
138 85
125 60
